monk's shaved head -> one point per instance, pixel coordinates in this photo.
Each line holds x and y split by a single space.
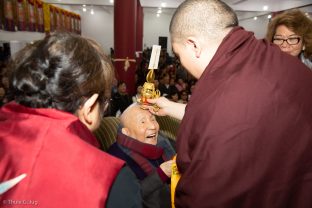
204 18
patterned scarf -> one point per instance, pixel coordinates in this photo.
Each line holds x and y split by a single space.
141 152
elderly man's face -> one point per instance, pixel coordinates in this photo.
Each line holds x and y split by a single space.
141 125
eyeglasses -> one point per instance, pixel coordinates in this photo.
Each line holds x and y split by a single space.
290 41
107 103
104 103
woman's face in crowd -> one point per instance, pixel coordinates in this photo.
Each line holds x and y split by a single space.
288 41
122 88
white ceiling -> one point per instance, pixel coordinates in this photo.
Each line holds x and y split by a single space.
238 5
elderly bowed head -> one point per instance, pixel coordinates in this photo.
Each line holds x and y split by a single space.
65 72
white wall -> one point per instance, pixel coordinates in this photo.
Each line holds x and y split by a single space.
99 26
18 40
258 26
21 36
156 26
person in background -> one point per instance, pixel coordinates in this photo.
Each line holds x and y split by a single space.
147 153
166 85
292 32
191 89
137 96
173 96
184 95
59 88
180 84
120 100
245 136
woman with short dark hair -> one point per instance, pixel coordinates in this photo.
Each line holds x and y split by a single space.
59 87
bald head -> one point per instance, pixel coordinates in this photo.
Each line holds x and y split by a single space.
204 18
130 111
139 124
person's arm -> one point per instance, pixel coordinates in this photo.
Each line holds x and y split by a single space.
125 191
167 107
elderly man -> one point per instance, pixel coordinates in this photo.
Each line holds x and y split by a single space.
246 135
147 153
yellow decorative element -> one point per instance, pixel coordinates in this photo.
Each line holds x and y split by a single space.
149 91
46 17
127 62
175 177
150 77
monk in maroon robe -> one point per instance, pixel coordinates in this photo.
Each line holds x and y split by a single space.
246 135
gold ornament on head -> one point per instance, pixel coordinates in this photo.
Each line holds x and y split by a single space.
149 91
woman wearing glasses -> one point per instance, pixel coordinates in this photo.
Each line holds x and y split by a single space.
292 32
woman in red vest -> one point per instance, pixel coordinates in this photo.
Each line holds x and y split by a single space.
59 90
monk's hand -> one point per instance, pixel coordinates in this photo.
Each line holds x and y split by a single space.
159 106
166 167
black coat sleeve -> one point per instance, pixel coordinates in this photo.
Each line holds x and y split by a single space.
125 192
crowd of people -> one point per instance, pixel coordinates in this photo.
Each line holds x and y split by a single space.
171 79
244 139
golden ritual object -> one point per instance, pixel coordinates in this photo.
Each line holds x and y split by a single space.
149 91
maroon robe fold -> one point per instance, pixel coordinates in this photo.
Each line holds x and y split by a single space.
58 154
246 137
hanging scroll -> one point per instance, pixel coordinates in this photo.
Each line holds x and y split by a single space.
52 18
39 16
9 24
21 15
62 22
57 19
35 15
72 22
64 19
67 20
79 25
76 24
46 17
31 15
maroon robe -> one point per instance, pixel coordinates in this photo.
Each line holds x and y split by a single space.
57 152
246 137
